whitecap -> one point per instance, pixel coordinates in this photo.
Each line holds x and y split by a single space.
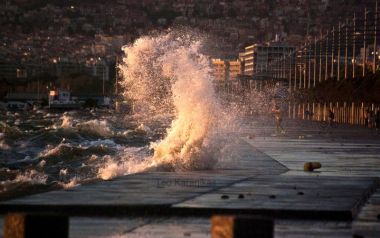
96 127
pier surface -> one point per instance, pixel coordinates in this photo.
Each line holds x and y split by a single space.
265 176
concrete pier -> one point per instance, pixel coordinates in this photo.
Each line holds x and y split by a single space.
266 177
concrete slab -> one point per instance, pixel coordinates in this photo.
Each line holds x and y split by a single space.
304 197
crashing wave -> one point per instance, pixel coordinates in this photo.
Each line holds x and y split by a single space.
96 127
168 75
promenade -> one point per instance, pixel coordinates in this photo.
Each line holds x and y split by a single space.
265 177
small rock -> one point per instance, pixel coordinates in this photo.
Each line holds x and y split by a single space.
241 196
187 234
311 166
225 197
300 193
272 196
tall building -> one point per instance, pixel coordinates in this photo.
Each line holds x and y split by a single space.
219 69
248 58
226 69
234 69
258 58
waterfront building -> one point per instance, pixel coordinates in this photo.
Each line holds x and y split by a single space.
218 69
258 63
258 58
234 69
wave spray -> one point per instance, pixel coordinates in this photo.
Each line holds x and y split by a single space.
168 76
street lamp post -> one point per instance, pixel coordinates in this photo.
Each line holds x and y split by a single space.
320 61
326 56
309 67
116 75
332 52
346 52
290 72
295 70
364 39
315 61
374 42
354 47
338 70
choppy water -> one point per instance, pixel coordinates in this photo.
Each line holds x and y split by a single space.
42 150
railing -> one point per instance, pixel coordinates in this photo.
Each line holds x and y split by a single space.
347 113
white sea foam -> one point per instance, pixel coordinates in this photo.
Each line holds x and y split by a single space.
32 177
17 122
63 172
54 151
96 127
67 121
66 149
128 160
42 163
119 167
74 182
106 142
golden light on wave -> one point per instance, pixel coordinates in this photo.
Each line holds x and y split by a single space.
167 75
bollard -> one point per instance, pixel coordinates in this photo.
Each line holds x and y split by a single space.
21 225
223 226
311 166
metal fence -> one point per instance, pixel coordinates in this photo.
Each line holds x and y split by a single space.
347 113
